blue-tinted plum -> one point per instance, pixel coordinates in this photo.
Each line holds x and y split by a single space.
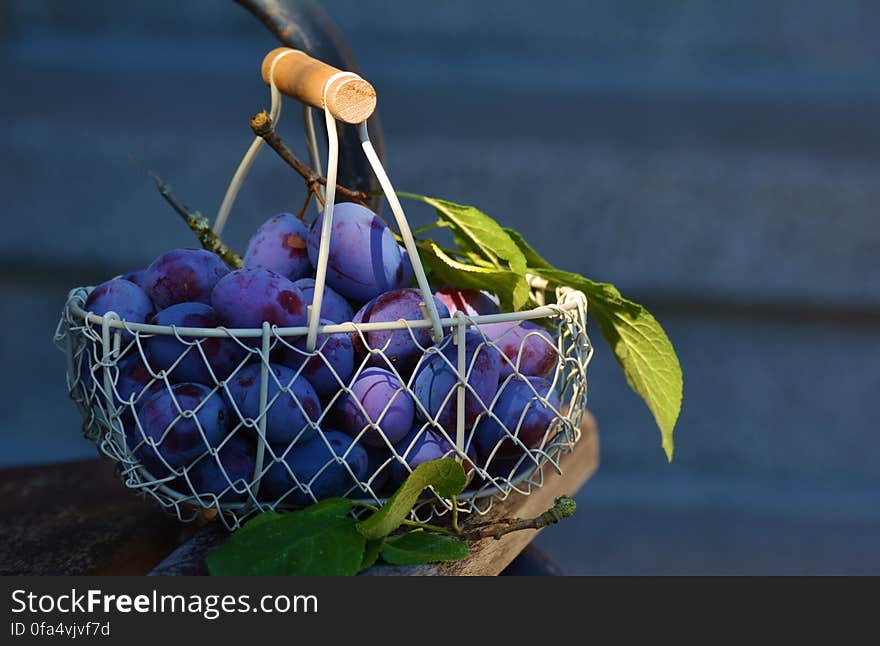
467 301
526 342
183 275
223 355
289 415
379 468
421 446
228 473
335 355
364 259
398 345
333 307
280 245
177 437
517 402
125 298
409 274
385 402
436 382
306 460
245 298
136 277
135 383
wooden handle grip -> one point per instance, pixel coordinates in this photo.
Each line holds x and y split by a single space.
299 76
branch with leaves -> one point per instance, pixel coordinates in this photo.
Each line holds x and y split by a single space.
325 539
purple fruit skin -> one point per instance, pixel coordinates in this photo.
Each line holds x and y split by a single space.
224 355
183 442
134 380
409 274
336 350
364 259
333 306
306 460
534 345
183 275
245 298
280 245
435 380
136 277
285 420
374 388
377 457
467 301
125 298
393 306
236 459
515 396
428 446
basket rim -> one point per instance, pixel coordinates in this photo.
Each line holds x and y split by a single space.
571 300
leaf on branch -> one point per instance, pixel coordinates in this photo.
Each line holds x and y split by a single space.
321 540
510 287
446 476
416 547
640 346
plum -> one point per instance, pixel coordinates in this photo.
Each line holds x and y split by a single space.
378 472
289 414
435 383
423 446
122 296
183 275
364 259
136 277
521 414
525 342
135 383
334 353
333 307
280 245
386 403
245 298
227 474
402 348
467 301
169 419
305 461
223 355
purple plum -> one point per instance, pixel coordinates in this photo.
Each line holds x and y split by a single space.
183 275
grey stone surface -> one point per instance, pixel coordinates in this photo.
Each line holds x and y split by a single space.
716 160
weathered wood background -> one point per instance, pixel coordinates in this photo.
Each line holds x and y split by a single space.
718 161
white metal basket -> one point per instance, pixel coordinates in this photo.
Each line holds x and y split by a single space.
95 345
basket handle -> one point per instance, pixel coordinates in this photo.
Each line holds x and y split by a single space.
430 306
349 98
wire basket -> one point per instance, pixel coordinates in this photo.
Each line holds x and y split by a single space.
234 461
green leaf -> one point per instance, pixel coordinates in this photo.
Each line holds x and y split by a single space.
640 345
321 540
371 553
532 257
445 475
418 547
256 521
510 287
484 232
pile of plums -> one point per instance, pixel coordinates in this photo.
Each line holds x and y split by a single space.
360 411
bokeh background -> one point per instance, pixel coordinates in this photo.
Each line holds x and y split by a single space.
717 161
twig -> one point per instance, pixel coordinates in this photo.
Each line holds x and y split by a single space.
199 225
263 127
563 507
